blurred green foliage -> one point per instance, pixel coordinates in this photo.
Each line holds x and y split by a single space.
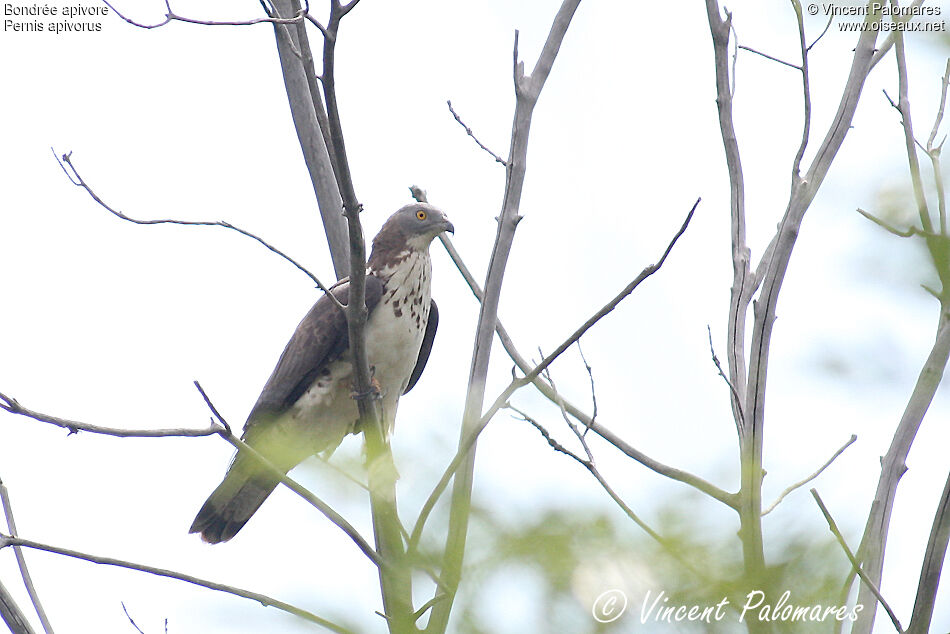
545 573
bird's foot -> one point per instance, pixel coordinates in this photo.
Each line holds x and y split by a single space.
375 390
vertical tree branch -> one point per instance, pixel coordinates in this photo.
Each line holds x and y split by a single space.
770 271
21 560
893 466
527 90
932 567
910 143
11 615
855 565
803 193
296 62
741 293
396 576
806 92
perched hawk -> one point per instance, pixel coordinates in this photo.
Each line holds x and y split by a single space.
307 405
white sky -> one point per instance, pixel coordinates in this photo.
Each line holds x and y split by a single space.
109 323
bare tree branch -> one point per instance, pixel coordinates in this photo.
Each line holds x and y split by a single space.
6 540
587 420
21 561
469 132
769 57
903 106
11 405
593 391
11 614
741 292
855 565
171 16
938 119
129 616
831 18
735 394
527 91
806 93
530 377
589 464
885 48
891 228
932 567
313 128
817 473
396 576
934 153
893 464
73 174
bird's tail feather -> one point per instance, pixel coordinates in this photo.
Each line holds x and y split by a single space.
231 505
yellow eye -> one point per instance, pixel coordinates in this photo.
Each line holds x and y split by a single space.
421 215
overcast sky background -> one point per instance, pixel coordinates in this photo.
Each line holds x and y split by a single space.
109 323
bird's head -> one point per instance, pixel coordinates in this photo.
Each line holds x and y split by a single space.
413 226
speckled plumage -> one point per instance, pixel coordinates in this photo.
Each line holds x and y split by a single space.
306 406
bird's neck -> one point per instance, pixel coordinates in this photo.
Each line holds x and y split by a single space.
406 268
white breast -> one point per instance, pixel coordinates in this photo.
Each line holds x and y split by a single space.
398 324
327 411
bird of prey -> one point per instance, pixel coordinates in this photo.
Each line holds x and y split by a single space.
307 405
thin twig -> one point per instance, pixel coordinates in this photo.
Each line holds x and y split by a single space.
903 106
854 562
589 464
593 391
806 96
831 17
910 231
767 56
21 561
427 606
73 174
943 102
564 415
469 132
736 400
817 473
263 599
129 616
934 153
